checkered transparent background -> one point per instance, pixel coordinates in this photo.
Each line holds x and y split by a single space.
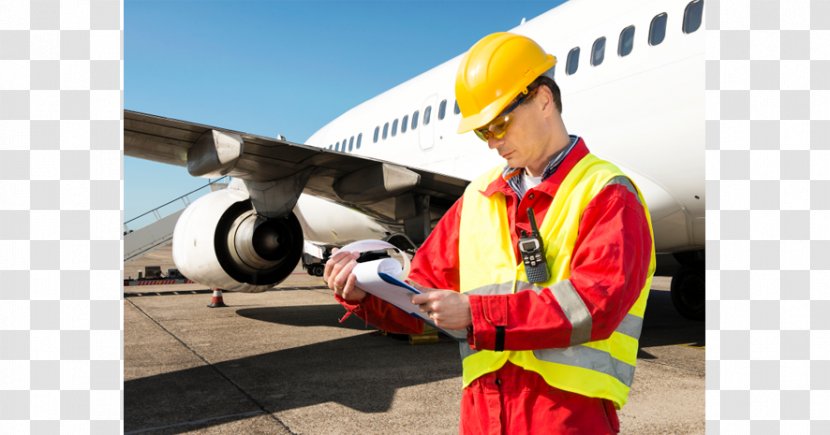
768 216
60 213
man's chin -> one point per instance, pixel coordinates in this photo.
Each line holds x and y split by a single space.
513 162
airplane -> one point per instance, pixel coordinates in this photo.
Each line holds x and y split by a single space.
632 80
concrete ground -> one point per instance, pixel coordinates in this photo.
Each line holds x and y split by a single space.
279 362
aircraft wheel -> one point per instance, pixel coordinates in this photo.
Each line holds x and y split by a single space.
688 292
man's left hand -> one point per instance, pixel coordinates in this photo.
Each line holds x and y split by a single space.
448 309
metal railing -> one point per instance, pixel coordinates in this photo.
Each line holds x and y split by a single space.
167 208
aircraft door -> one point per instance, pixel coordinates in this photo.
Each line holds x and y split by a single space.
429 118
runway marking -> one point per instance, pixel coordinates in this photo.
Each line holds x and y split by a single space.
312 287
253 400
209 291
168 293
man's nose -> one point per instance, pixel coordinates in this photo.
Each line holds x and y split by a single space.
494 143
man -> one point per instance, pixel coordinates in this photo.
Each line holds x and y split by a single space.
546 353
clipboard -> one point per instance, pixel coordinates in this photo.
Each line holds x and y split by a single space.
381 279
414 310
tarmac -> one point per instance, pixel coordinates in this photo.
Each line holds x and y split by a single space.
279 362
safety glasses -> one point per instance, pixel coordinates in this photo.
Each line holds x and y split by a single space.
497 128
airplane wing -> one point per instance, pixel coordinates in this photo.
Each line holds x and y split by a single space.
389 192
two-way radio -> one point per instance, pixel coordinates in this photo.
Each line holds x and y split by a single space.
533 252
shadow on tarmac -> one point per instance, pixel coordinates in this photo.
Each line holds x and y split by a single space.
361 372
309 315
663 325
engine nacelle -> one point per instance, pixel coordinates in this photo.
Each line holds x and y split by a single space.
221 242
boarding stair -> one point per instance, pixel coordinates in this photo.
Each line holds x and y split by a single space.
154 228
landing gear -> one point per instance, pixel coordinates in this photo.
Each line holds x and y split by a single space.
313 265
315 269
688 286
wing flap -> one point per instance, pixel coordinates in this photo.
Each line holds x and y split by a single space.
264 159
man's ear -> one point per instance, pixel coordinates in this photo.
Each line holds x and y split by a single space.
546 99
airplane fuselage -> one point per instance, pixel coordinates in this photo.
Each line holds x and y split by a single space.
643 111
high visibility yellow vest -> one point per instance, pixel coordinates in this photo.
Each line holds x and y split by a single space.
488 266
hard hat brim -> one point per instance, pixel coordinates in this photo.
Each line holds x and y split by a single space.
486 115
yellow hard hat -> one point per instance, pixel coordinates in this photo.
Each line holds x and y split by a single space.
495 70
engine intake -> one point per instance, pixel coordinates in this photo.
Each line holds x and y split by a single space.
221 241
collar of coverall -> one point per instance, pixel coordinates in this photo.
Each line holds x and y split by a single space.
553 175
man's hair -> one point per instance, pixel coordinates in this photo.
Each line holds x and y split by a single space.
547 80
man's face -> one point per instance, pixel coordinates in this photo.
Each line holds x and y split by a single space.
522 146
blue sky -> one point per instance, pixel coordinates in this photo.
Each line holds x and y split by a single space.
289 67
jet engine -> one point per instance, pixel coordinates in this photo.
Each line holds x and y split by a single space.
220 241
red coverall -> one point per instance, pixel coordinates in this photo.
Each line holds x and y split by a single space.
608 270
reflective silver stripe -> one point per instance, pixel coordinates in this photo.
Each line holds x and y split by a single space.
465 349
579 316
631 326
504 288
625 182
572 305
575 310
589 358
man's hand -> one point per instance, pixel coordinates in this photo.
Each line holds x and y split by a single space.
339 277
448 309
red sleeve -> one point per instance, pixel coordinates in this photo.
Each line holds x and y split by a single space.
608 270
435 265
383 315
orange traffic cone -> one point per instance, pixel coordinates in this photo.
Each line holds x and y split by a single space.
216 300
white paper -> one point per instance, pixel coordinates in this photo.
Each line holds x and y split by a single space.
397 270
369 280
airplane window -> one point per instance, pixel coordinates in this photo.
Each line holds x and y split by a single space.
415 120
385 130
359 139
337 146
657 31
693 16
394 128
442 110
404 123
351 143
626 41
343 146
598 51
573 61
377 130
427 112
331 146
456 110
